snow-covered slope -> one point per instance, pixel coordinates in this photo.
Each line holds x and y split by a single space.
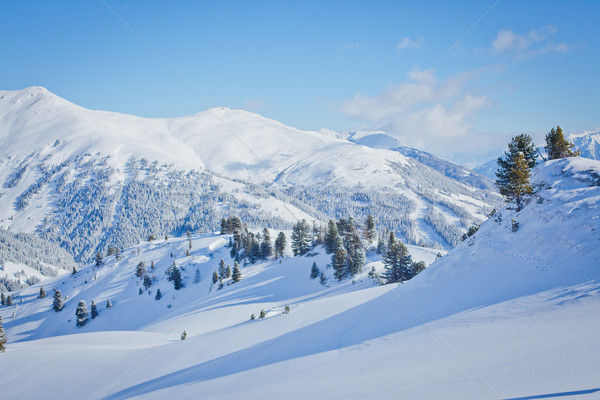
89 179
588 144
508 314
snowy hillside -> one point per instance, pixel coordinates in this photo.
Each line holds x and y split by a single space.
511 313
91 179
588 144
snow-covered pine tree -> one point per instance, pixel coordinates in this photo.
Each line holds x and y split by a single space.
266 248
9 300
370 230
330 235
339 259
314 271
81 313
98 259
222 269
140 270
280 244
58 304
147 281
158 295
237 273
215 277
301 240
177 279
94 309
117 254
42 293
2 337
228 272
397 262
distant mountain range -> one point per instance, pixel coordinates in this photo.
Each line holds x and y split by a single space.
88 179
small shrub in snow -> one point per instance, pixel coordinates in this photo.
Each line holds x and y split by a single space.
183 335
262 314
108 304
286 310
323 279
42 293
158 295
252 317
514 225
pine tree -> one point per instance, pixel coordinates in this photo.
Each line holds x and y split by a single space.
228 272
237 273
223 226
42 293
147 281
81 314
110 251
370 232
152 266
2 299
2 337
330 235
215 277
301 238
322 279
108 304
557 146
74 272
158 295
397 261
94 310
262 314
280 244
222 269
197 276
99 261
140 270
314 271
183 335
58 304
117 254
9 301
338 260
177 280
513 175
266 248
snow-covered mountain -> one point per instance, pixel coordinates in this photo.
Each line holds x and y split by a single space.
382 140
588 144
91 179
509 313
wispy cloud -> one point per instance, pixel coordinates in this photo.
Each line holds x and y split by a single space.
435 115
350 46
535 42
409 44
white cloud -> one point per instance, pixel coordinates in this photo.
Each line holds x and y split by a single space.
409 44
433 115
535 42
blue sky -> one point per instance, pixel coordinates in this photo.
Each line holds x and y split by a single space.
525 67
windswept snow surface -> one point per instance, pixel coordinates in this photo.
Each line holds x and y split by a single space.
505 315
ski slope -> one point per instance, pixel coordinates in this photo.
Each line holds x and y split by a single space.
505 315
